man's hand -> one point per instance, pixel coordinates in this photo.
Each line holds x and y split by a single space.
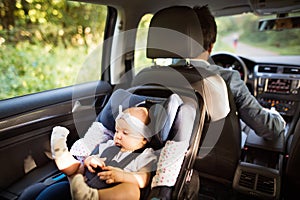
274 111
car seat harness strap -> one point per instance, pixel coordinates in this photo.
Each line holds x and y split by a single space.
109 153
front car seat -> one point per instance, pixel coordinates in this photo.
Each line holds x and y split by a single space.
175 32
291 182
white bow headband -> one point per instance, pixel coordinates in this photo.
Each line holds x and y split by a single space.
135 123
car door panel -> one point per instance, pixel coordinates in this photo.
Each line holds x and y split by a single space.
26 124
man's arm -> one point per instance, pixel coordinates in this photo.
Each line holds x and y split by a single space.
265 123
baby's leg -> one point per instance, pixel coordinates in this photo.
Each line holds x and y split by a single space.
80 190
63 158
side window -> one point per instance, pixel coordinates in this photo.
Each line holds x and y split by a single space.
49 44
140 59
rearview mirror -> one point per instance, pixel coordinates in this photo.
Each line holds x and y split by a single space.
279 23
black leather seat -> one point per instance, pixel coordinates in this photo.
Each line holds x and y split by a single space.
291 183
173 34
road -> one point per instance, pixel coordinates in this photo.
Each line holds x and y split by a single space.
245 49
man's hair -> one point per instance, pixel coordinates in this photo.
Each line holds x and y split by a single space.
208 25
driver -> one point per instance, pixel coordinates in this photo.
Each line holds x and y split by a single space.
266 123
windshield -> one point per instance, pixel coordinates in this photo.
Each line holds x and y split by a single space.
239 34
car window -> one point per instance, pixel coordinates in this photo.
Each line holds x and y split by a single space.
239 34
44 45
140 59
236 34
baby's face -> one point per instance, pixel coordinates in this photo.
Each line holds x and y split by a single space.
128 138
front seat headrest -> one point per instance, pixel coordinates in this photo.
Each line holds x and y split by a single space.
175 32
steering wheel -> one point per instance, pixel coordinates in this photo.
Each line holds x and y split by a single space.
232 62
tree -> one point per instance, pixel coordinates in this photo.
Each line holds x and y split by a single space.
7 8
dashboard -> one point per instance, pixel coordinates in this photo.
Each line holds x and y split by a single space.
274 80
277 86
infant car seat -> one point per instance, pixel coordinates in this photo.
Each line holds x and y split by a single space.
176 124
178 139
163 110
291 174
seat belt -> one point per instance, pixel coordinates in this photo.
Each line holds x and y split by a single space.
109 153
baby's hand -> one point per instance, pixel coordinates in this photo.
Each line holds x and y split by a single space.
93 162
111 174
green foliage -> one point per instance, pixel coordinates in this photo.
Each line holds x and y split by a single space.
226 25
286 42
44 21
46 45
140 57
33 68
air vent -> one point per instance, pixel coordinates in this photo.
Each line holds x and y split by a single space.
247 179
265 184
291 70
267 69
